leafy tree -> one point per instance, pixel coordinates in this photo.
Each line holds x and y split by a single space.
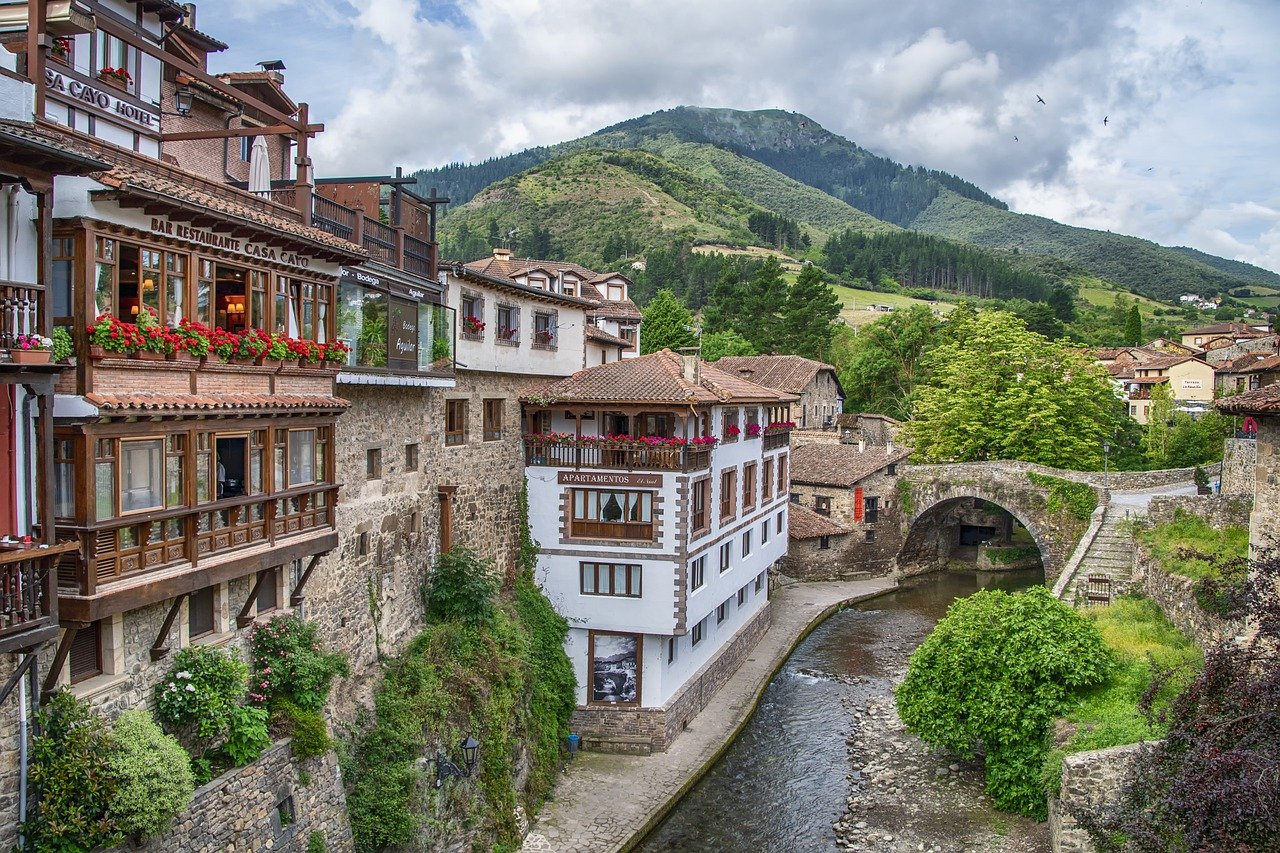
999 391
761 303
718 345
880 366
723 308
807 315
1159 423
1133 326
667 323
993 675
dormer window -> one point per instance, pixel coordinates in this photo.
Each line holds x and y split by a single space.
617 292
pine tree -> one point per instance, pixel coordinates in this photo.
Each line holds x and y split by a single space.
1133 326
810 309
667 323
761 306
721 312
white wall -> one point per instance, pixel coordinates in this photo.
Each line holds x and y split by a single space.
525 359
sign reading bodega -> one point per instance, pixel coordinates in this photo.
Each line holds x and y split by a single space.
101 99
226 243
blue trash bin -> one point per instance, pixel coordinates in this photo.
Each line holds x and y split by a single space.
574 740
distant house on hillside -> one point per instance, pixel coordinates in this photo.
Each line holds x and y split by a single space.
1248 372
1136 370
816 383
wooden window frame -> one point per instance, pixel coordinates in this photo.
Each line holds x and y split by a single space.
726 556
748 487
120 457
633 579
698 632
373 463
89 634
700 505
455 420
742 595
722 611
728 494
697 573
411 456
760 580
746 543
512 337
729 418
586 527
822 504
213 612
492 417
766 481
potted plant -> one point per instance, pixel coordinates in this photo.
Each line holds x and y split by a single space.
307 352
110 335
731 433
507 333
31 349
543 337
254 346
118 77
472 325
277 349
335 352
753 430
61 49
63 346
153 341
192 339
1201 478
223 344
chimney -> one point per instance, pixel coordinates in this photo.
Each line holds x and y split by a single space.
862 447
690 364
189 15
501 253
746 373
888 446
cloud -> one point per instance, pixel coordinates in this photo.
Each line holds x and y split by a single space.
1189 91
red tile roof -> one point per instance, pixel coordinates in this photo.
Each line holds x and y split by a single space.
654 378
804 523
600 336
1264 401
840 465
511 267
147 401
791 373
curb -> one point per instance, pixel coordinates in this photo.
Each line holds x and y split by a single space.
636 838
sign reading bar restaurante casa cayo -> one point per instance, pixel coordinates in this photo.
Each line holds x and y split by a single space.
214 240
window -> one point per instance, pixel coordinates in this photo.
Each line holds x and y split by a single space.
86 653
871 510
200 606
783 483
141 475
760 580
373 463
601 514
871 536
302 457
455 422
493 420
726 556
753 422
731 430
742 595
508 325
64 478
701 497
764 532
472 316
795 497
544 330
114 52
722 611
893 468
411 457
749 486
617 292
781 516
698 630
746 544
362 544
268 593
728 494
246 148
766 481
824 543
698 573
610 579
671 650
822 504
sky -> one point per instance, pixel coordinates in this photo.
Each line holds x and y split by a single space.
1189 90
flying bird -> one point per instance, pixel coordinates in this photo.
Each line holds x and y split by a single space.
1104 120
1015 139
1039 99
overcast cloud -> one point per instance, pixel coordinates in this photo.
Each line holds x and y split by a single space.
1190 88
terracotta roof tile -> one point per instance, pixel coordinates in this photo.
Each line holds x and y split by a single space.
804 523
654 378
1264 401
512 267
789 373
840 465
147 401
599 335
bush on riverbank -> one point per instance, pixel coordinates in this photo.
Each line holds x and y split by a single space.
993 675
1151 655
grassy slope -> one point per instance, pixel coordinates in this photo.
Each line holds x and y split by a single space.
855 302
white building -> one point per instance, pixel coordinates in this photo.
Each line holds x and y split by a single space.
658 492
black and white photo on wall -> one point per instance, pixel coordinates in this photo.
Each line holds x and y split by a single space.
615 668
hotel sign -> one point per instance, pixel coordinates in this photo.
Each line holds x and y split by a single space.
101 99
160 225
594 478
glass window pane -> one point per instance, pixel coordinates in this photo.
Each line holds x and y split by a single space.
102 298
279 469
302 444
141 477
64 491
255 472
589 578
173 481
105 485
202 477
319 474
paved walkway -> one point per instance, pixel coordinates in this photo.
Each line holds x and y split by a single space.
603 801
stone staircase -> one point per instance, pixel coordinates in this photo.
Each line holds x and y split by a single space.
1111 554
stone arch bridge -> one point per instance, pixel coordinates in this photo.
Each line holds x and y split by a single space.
1055 506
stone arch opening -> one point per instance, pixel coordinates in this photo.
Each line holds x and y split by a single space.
969 532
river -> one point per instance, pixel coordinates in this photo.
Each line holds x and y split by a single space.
825 748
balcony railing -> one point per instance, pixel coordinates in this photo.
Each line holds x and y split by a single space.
417 256
21 311
172 537
379 240
626 457
391 244
334 218
28 601
775 438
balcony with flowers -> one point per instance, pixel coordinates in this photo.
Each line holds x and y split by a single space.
619 452
777 434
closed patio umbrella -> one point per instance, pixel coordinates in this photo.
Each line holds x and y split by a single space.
259 167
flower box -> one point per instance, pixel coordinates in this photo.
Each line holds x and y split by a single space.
30 356
147 355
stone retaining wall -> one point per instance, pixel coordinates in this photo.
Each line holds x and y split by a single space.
1116 480
242 809
1089 779
1239 461
631 730
1217 510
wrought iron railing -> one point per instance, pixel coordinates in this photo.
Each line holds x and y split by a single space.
334 218
417 256
379 240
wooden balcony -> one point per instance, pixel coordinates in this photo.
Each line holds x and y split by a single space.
22 312
641 457
776 438
389 244
28 598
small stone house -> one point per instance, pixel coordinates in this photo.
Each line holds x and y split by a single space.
854 487
815 382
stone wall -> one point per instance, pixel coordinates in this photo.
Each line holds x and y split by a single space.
645 730
263 806
807 560
1176 597
1116 480
852 555
1264 522
1217 510
1239 461
1089 779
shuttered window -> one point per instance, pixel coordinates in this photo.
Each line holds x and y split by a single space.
86 653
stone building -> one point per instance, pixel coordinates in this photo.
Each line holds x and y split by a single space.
1264 406
814 382
657 546
1247 372
870 429
856 487
818 546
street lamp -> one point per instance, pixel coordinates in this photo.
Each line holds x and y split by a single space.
445 768
1106 454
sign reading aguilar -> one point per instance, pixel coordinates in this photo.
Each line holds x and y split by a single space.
591 478
402 324
213 240
100 99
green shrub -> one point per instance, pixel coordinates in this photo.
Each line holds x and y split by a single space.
306 727
152 772
200 691
994 674
289 662
316 842
1217 559
71 780
247 734
462 587
63 347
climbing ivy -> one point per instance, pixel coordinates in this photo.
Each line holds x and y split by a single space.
1079 500
904 496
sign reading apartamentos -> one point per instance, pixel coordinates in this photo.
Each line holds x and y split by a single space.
593 478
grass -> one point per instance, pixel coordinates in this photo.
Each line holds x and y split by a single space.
1145 644
1189 547
1098 292
855 303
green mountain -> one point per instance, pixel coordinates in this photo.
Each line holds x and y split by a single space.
788 164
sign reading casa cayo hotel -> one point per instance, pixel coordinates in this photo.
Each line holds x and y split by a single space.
99 99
